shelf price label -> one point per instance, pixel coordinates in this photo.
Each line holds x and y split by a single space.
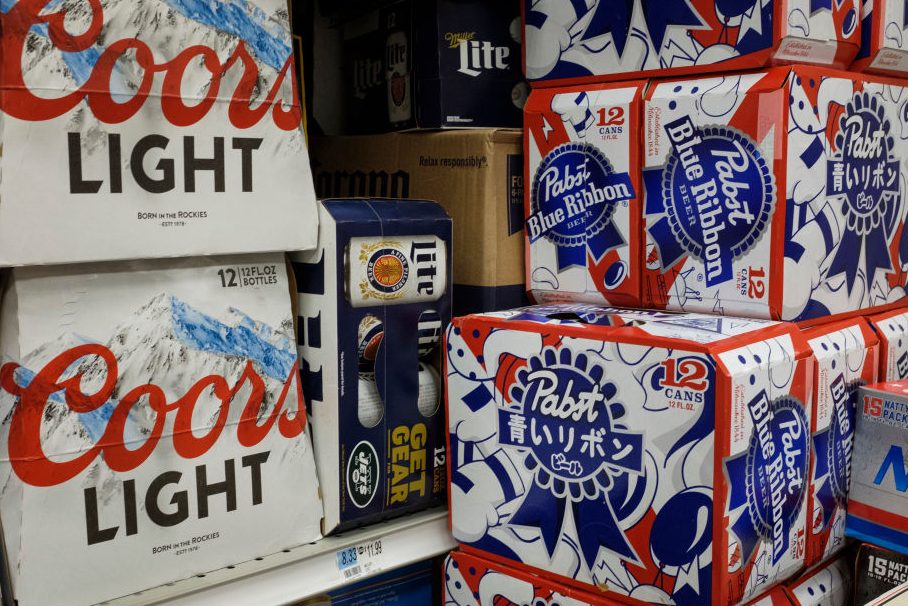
360 560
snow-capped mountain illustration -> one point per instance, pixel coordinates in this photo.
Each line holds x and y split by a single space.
169 344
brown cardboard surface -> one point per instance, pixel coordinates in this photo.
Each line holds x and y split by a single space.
466 171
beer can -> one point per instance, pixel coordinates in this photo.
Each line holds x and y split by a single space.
395 270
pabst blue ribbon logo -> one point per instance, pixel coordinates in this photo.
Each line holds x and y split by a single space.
388 270
864 175
565 415
574 195
712 200
833 449
768 481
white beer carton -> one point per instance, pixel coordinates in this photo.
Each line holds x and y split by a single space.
153 425
846 357
892 329
665 456
150 128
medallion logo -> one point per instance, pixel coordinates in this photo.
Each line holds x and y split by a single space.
716 197
362 474
388 270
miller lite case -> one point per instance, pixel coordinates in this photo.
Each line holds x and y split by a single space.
571 42
892 329
664 456
431 64
470 580
142 129
884 38
846 358
373 299
878 503
775 194
583 194
153 425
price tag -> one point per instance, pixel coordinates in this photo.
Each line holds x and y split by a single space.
360 560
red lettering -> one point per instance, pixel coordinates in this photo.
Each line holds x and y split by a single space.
33 466
20 102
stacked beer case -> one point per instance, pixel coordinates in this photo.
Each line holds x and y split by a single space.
715 211
154 169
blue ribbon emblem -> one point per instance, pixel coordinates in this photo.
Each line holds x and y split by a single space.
712 200
572 202
864 175
564 416
833 447
768 481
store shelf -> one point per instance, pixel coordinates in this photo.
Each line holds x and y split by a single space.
309 570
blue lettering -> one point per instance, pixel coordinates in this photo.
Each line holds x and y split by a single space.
896 460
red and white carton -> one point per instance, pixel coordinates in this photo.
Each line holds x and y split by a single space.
846 357
470 580
153 425
663 455
892 329
572 42
149 128
583 193
884 38
775 194
830 584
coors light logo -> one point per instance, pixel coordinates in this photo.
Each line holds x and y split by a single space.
105 64
117 406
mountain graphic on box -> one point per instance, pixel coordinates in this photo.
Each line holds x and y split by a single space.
172 345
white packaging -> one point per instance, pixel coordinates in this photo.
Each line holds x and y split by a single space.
150 128
101 499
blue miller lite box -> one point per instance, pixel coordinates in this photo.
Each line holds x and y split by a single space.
596 40
665 456
878 504
434 64
373 299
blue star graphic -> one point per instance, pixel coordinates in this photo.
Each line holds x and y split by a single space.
615 17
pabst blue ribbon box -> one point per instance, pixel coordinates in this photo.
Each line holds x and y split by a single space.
583 193
846 358
601 39
664 456
151 128
884 29
153 425
878 502
829 584
892 330
470 580
373 299
775 194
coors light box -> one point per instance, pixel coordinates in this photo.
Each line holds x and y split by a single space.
150 128
153 425
665 456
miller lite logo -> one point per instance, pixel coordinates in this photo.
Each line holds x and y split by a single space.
477 55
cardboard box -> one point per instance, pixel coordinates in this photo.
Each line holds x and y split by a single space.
597 40
584 194
192 146
830 584
153 425
470 580
373 298
775 194
883 31
664 456
476 176
846 355
433 64
878 503
893 597
877 571
892 329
